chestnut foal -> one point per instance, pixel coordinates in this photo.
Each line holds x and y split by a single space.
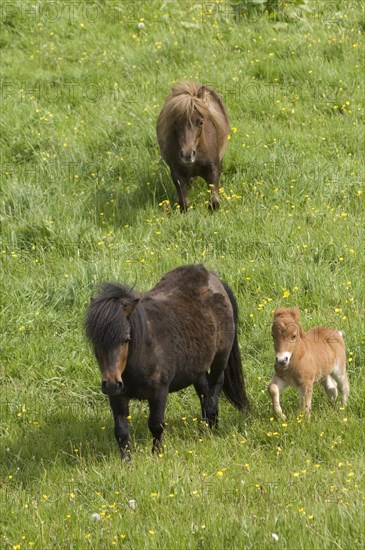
303 358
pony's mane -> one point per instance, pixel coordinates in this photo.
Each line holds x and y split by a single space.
184 100
284 318
106 322
287 314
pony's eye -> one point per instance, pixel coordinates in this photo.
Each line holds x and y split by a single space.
293 336
199 122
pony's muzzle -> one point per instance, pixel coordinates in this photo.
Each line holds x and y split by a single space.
282 359
187 156
112 388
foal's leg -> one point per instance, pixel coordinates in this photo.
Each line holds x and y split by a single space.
306 392
330 387
275 387
120 409
156 420
340 376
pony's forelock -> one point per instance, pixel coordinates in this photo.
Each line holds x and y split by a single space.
183 101
106 325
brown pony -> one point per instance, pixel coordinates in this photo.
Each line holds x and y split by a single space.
303 358
182 332
192 131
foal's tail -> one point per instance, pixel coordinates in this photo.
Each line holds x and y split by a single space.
234 386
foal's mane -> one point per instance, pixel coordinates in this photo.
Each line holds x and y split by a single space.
106 321
187 97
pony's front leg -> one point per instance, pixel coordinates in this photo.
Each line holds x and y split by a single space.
212 178
306 391
275 387
156 420
120 409
181 185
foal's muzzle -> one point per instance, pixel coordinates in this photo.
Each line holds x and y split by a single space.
282 359
112 388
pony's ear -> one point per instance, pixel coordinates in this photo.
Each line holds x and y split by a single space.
295 313
128 306
279 312
202 92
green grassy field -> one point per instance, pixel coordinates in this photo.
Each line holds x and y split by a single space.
85 197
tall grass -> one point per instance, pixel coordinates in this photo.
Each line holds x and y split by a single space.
85 198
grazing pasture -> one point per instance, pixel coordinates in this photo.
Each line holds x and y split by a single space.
85 197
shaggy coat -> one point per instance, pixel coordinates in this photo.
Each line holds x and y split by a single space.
192 132
303 358
147 345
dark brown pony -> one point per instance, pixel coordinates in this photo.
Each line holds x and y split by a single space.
192 131
181 332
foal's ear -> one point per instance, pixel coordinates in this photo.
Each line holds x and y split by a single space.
202 92
295 313
128 306
279 312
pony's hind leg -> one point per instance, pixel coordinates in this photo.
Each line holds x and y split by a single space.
306 392
209 387
156 419
340 376
208 393
330 387
215 388
202 389
120 409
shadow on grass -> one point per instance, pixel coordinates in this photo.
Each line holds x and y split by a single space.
117 201
68 439
61 440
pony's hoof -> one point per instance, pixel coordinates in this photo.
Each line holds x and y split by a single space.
184 208
212 421
125 457
214 206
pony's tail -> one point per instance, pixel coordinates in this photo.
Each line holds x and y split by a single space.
234 386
